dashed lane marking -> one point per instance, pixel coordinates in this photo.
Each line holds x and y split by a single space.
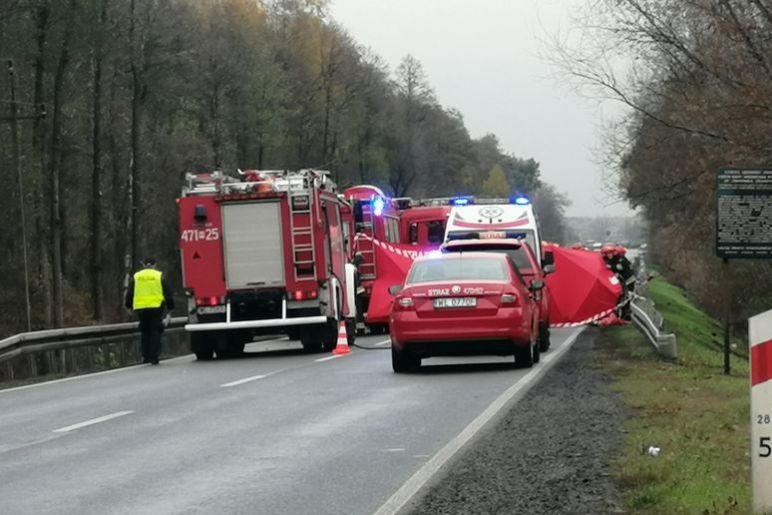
417 481
383 343
187 357
328 358
93 421
242 381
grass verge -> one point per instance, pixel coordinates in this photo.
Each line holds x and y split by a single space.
697 416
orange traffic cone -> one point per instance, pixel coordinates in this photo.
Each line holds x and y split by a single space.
341 347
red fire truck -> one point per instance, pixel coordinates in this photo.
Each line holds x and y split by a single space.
262 253
422 222
377 216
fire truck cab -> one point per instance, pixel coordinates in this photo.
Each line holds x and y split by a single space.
264 253
423 222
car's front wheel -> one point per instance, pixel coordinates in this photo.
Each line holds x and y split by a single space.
403 361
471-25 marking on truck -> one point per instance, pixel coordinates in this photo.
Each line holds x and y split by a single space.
210 234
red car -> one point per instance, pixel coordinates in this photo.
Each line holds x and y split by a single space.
463 304
522 255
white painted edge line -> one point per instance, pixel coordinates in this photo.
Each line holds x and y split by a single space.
417 481
383 343
242 381
92 421
328 358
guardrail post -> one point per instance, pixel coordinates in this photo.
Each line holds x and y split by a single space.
9 368
33 366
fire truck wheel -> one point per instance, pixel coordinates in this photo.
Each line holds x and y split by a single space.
351 331
311 338
205 356
201 346
330 336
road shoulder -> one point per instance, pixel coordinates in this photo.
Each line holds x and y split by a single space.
553 452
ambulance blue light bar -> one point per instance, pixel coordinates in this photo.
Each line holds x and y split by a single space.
460 201
521 200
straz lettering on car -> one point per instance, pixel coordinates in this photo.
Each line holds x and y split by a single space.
439 292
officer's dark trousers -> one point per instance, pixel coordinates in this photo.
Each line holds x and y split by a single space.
151 327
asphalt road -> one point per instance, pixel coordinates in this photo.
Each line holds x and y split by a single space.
278 431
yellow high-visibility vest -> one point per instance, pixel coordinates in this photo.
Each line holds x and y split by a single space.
148 290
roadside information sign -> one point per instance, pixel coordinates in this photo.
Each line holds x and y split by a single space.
744 214
760 337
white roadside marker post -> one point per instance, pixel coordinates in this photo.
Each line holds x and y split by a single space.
760 337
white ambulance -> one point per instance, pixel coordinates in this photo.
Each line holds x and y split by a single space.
495 219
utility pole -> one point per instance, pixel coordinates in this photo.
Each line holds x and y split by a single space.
17 164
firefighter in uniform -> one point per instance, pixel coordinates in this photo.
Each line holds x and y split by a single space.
149 297
617 262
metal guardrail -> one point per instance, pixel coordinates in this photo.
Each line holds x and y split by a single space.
650 322
646 317
71 337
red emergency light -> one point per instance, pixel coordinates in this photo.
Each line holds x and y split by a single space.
304 294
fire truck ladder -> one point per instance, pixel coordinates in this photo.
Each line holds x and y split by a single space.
367 268
302 237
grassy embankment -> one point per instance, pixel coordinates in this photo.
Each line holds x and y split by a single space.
695 414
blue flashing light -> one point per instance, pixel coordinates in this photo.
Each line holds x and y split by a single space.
378 205
521 200
460 201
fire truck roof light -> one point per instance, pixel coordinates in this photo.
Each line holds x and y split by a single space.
378 205
521 200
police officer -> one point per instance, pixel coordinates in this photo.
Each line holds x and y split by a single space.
149 296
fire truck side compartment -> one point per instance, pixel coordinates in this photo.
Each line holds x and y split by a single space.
252 244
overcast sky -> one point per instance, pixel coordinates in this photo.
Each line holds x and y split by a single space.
483 58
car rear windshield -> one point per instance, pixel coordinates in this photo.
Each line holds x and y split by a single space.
517 255
458 269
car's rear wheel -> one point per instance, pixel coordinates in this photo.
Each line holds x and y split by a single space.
544 337
403 361
536 352
524 357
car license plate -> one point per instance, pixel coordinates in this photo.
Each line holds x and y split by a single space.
458 302
211 310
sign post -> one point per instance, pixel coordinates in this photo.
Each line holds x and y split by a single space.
743 227
760 337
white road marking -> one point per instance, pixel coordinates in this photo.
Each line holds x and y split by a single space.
417 481
242 381
395 449
187 357
92 421
328 358
383 343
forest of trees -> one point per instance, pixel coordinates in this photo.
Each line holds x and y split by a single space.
117 99
695 77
